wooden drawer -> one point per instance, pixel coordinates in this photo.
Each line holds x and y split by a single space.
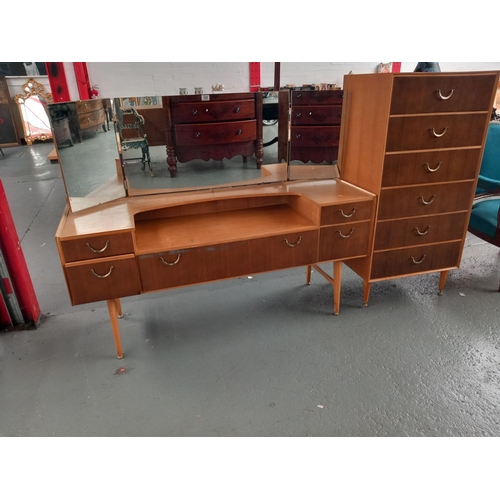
417 94
315 155
92 119
315 136
87 106
344 241
415 260
406 133
197 265
215 133
202 112
103 279
427 199
316 115
420 230
347 212
430 166
317 97
91 247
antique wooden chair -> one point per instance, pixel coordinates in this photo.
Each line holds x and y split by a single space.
485 216
133 136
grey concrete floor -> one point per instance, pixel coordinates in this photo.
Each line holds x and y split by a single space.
259 356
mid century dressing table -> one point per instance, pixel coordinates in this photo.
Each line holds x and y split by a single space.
116 241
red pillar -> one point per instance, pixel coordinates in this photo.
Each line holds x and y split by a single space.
16 264
82 80
254 76
57 80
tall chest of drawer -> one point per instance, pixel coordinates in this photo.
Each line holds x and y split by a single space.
310 124
213 126
416 140
91 115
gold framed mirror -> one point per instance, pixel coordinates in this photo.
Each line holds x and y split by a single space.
33 110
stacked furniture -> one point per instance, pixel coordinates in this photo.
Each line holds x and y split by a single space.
416 141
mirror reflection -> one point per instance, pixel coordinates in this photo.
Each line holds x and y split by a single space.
33 110
85 139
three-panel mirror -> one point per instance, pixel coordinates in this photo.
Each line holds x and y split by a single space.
112 148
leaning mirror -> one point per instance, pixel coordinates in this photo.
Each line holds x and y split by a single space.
33 110
85 140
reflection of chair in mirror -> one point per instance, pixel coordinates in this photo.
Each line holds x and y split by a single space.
33 109
485 216
133 135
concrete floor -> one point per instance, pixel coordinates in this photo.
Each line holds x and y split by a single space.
247 357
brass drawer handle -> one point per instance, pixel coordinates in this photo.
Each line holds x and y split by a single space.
293 244
100 250
298 115
345 235
101 276
347 215
444 97
171 263
195 112
237 109
418 261
435 134
435 169
431 199
310 113
239 131
299 96
422 233
297 136
197 134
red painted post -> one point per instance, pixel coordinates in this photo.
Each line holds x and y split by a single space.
57 81
16 264
396 67
82 80
254 76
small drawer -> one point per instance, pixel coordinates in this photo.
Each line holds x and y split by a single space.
420 230
315 136
87 106
344 241
203 112
317 97
215 133
315 155
437 93
93 119
347 212
415 260
103 279
408 133
93 247
208 263
430 199
431 166
316 115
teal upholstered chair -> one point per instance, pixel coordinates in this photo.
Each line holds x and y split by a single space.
485 216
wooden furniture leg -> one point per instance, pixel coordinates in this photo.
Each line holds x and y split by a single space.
337 281
366 293
113 308
308 275
442 281
119 308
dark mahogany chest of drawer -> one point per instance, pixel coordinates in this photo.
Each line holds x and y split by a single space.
316 115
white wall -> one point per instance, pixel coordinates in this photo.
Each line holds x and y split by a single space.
122 79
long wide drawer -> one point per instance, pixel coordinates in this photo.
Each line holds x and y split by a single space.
92 119
314 136
344 241
317 97
420 230
88 105
203 112
430 166
316 115
425 199
415 260
408 133
441 93
103 279
215 133
209 263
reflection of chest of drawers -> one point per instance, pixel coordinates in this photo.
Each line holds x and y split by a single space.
416 140
90 117
313 126
213 126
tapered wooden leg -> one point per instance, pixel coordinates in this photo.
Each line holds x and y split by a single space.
308 275
366 293
442 281
119 308
337 281
113 306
